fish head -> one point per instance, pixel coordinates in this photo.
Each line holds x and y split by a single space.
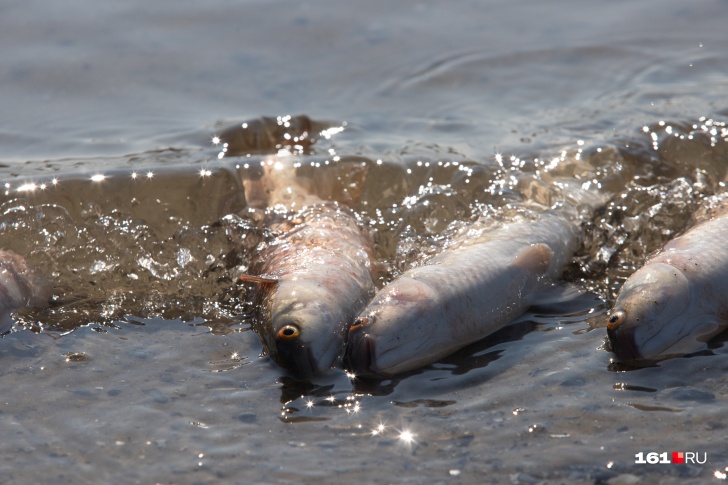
305 329
360 347
20 285
398 331
652 313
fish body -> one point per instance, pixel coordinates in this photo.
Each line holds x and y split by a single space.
460 296
677 300
315 275
16 287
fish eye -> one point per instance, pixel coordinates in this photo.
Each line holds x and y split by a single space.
616 319
359 322
288 332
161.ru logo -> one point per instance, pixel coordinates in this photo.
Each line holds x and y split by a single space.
675 458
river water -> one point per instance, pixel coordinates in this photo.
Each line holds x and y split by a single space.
144 368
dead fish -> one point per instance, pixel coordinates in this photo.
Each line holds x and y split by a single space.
676 301
315 275
268 135
460 296
18 286
15 282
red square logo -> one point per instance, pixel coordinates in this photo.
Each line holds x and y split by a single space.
678 458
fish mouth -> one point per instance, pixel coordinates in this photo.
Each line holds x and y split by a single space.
296 358
304 360
360 350
624 342
307 365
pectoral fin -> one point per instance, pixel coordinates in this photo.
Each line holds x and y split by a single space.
534 258
561 299
262 279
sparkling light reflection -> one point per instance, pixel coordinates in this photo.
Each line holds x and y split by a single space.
407 436
27 187
378 430
332 131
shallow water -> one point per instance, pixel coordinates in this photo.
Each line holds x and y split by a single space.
144 369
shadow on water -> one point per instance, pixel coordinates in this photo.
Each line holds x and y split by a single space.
715 346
